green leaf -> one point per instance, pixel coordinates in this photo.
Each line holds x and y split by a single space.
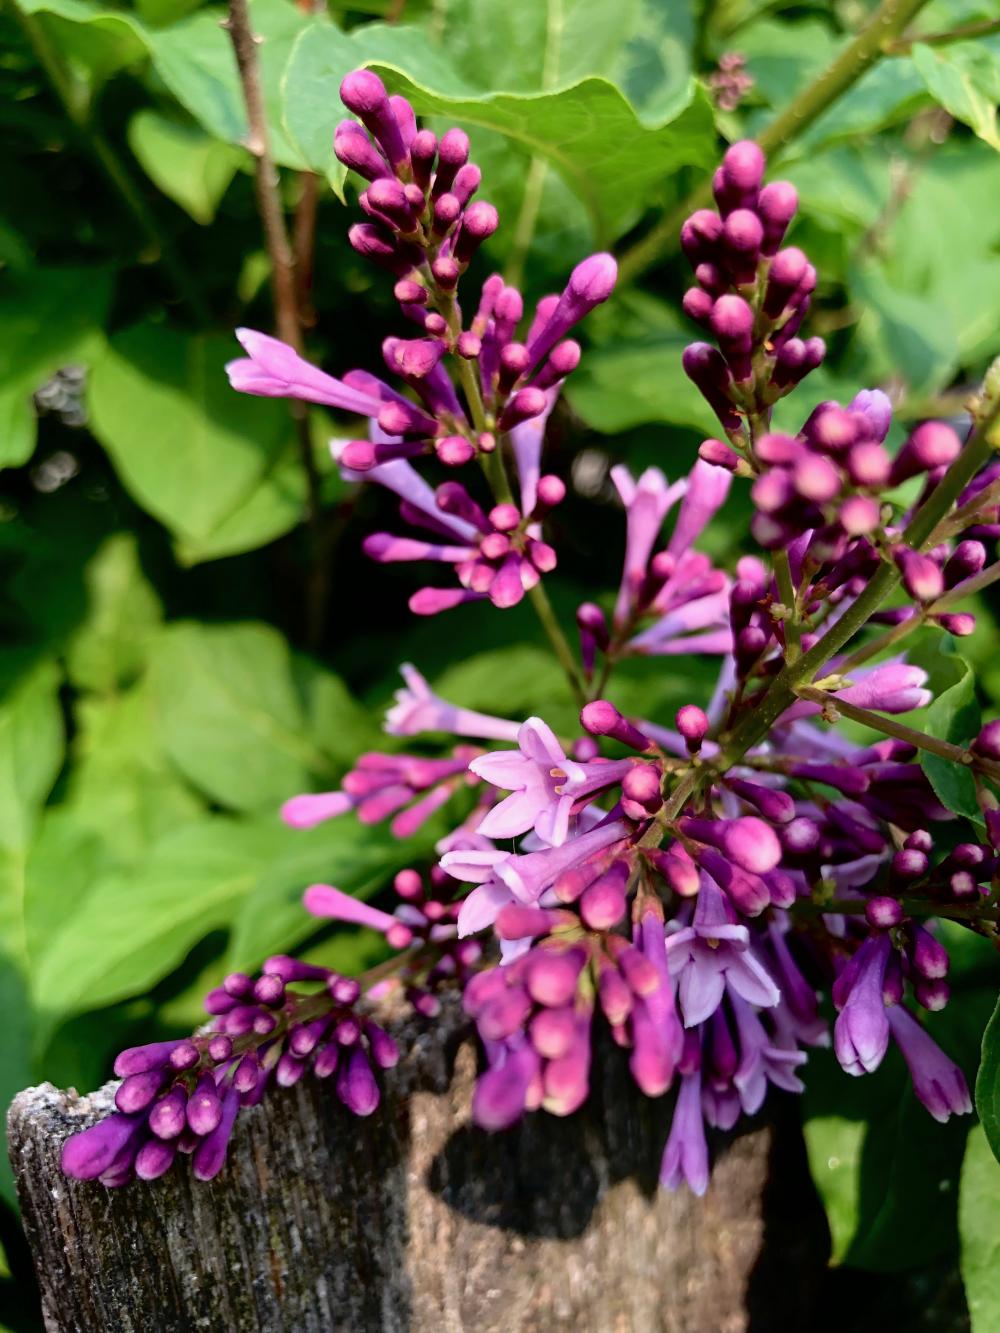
133 927
52 318
988 1083
31 745
978 1209
355 857
15 1056
232 717
834 1146
588 132
189 449
188 165
121 786
96 41
123 613
965 79
954 716
632 373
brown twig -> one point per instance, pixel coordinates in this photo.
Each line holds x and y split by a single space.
285 289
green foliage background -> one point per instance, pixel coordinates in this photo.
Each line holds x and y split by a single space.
157 699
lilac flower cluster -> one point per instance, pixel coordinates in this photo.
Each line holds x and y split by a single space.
694 887
425 228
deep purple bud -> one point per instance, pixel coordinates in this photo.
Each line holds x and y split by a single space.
922 576
932 995
210 1154
356 1086
718 454
968 558
204 1108
776 207
154 1159
142 1059
552 977
932 445
479 222
929 956
138 1090
518 922
270 990
909 864
364 93
523 406
355 150
167 1118
247 1074
788 269
697 305
987 743
553 1032
602 718
423 150
743 166
742 236
453 153
220 1048
590 283
384 1049
692 723
776 806
883 912
87 1155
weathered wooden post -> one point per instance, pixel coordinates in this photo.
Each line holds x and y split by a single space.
416 1220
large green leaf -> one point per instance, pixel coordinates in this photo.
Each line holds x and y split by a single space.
123 612
988 1083
588 131
965 79
31 745
193 452
232 717
954 716
15 1056
188 165
978 1210
135 926
52 318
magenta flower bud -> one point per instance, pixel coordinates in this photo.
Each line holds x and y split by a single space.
210 1154
602 718
479 222
602 905
143 1059
776 206
138 1090
481 989
697 305
423 151
204 1107
882 913
550 492
515 922
859 515
388 197
815 478
247 1074
743 166
932 995
776 806
288 1070
553 1032
220 1048
270 990
154 1159
552 977
641 784
453 153
752 844
932 445
376 243
615 995
466 183
788 269
523 406
590 283
562 361
967 559
705 366
384 1049
218 1001
700 236
364 93
987 743
718 454
501 1093
355 150
303 1038
504 1014
692 723
505 517
238 985
869 464
742 236
732 322
87 1155
928 955
168 1117
356 1086
347 1031
960 624
922 576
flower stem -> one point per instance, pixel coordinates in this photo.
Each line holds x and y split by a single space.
885 27
560 645
783 576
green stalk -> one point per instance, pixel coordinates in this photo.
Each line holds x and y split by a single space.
884 28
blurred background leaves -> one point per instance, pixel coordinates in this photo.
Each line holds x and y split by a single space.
164 682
